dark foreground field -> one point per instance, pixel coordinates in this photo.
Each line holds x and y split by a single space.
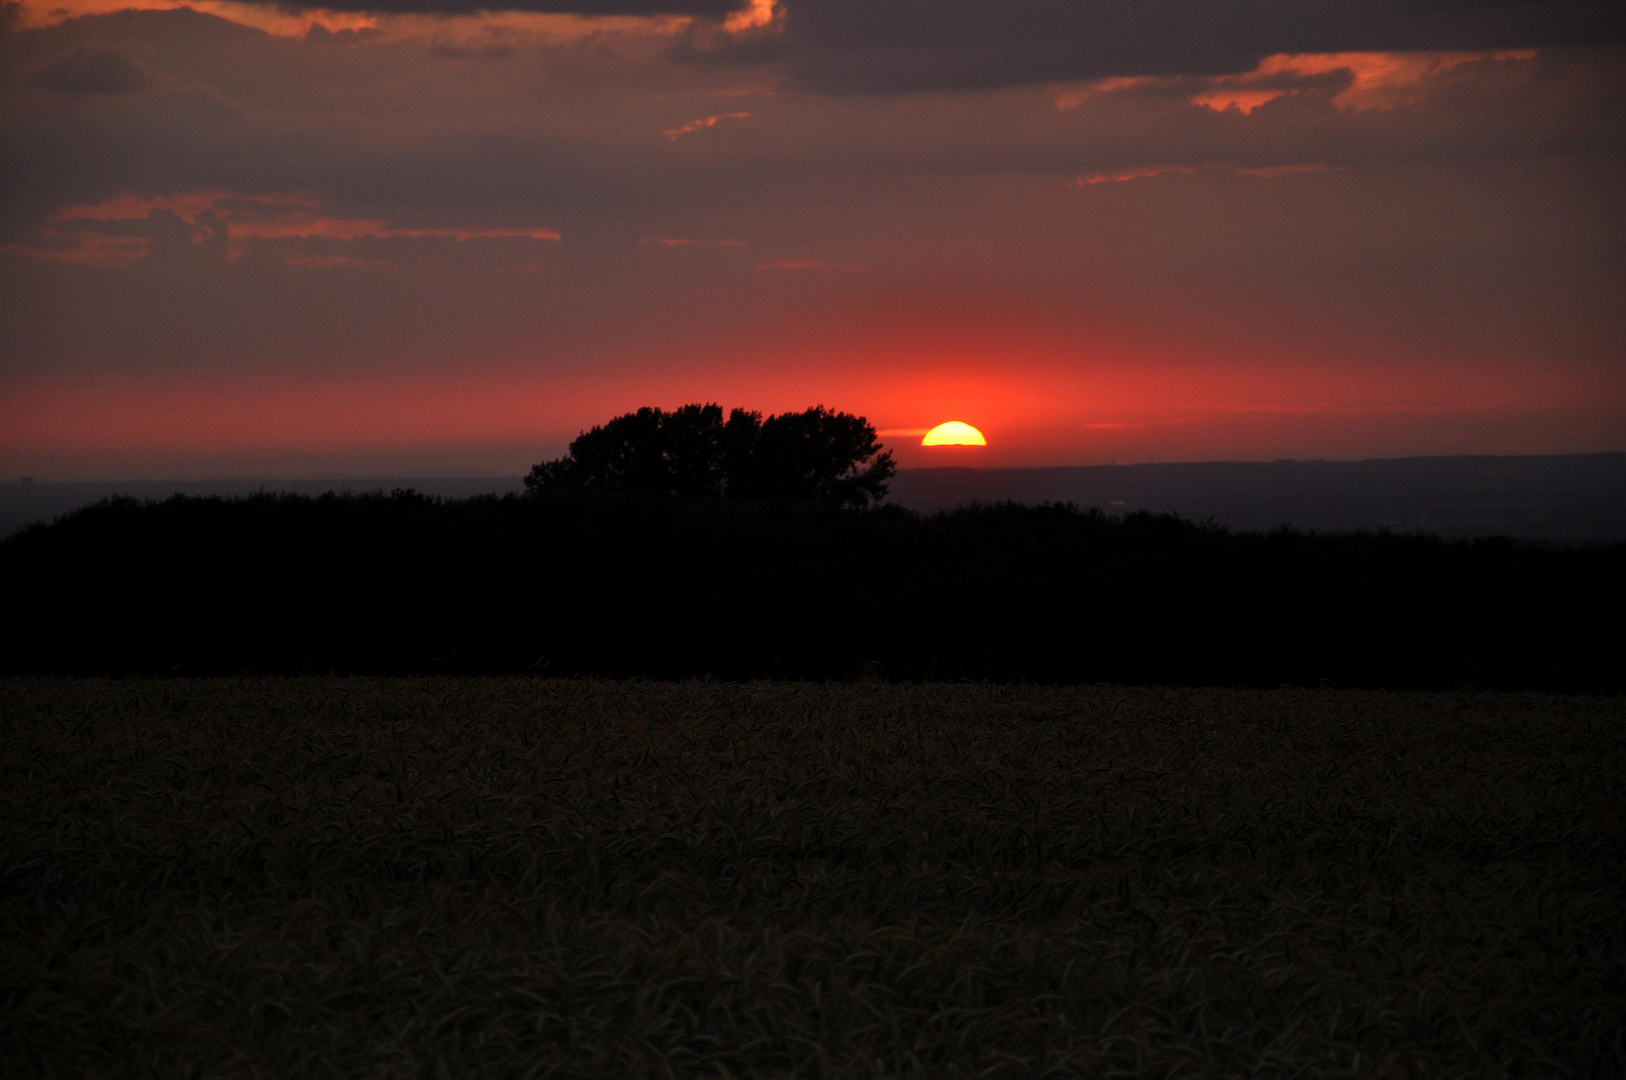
325 877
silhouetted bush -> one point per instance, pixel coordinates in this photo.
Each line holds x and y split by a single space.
669 588
693 453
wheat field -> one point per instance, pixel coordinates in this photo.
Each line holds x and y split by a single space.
572 878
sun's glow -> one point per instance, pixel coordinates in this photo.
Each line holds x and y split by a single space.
954 433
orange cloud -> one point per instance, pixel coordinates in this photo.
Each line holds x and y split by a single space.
1242 100
272 19
1377 80
1380 80
1139 173
700 125
755 15
83 249
72 235
188 206
287 20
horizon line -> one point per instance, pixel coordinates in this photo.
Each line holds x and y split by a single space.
311 478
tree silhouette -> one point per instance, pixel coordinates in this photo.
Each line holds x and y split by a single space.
692 452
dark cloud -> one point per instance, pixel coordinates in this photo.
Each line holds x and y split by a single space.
91 69
566 140
869 46
860 46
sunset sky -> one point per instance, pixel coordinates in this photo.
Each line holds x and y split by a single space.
419 238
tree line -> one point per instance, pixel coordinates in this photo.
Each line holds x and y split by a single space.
693 452
687 543
649 585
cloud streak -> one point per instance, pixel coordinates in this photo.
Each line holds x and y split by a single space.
702 124
102 236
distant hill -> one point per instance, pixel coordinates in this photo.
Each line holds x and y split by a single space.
1573 497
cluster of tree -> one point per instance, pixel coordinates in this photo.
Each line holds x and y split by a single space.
693 452
742 589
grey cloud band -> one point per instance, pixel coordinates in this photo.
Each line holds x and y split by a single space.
856 46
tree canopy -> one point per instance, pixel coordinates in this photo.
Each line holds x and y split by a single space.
694 452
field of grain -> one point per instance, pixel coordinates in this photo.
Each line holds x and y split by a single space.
570 878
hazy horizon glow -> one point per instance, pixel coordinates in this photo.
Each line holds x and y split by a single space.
246 239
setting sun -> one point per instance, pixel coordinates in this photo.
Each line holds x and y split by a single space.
954 433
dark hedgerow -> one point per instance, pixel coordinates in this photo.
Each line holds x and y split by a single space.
738 589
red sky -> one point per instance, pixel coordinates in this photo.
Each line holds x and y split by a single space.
252 240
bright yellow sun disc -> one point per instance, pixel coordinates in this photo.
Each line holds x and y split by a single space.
954 433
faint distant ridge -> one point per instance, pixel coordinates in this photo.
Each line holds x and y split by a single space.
1565 497
1571 497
